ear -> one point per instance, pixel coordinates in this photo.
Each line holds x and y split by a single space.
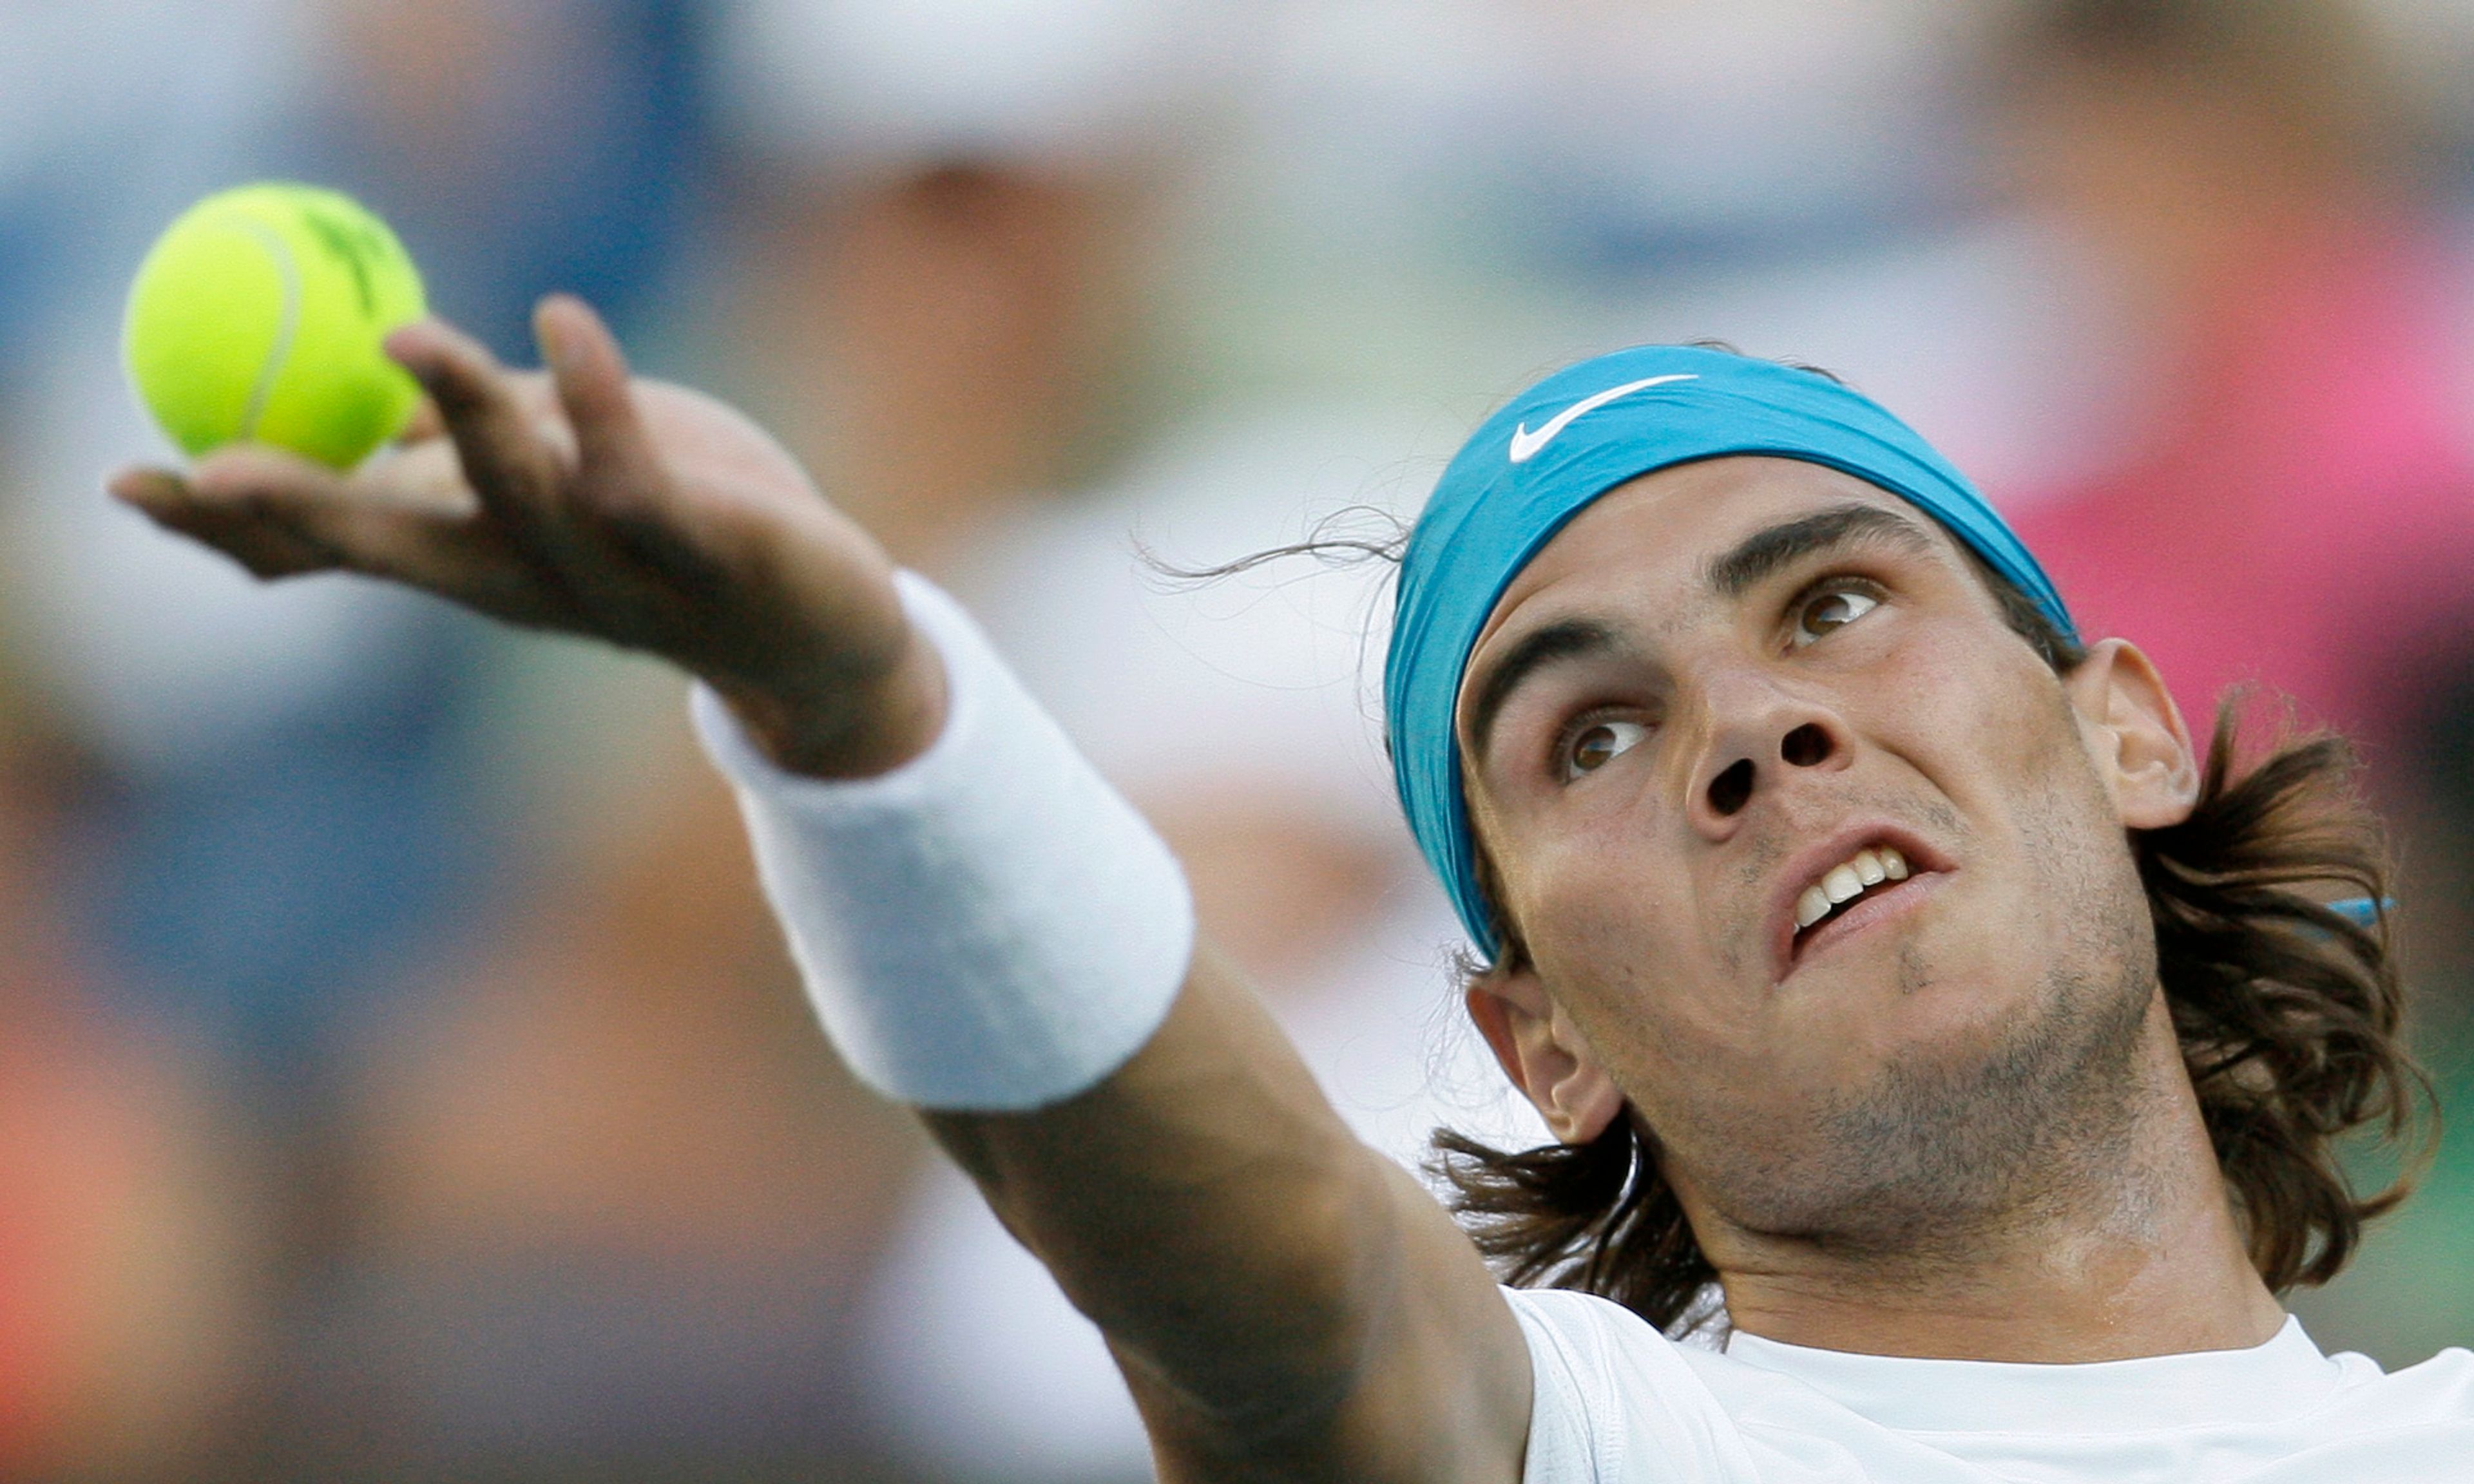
2135 736
1544 1054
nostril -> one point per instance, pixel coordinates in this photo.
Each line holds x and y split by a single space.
1732 788
1806 746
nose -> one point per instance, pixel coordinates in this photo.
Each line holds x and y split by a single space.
1757 734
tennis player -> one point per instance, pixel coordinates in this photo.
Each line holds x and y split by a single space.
1884 957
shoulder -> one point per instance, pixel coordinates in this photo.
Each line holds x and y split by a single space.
1615 1401
2439 1390
2408 1425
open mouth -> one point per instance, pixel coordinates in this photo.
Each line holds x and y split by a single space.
1872 882
1874 868
1870 886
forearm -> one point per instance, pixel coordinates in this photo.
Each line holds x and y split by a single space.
998 941
1281 1298
1207 1169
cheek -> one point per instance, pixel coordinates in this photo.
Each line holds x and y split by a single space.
1595 907
2086 880
1984 722
2049 868
1622 947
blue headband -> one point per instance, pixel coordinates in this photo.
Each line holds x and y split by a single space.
1561 444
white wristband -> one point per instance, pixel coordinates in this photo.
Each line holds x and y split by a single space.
989 926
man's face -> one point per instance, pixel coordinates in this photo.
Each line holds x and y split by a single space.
1715 687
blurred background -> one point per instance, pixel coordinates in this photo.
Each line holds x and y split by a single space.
399 1074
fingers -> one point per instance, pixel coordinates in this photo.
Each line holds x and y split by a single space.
623 487
266 548
569 475
591 374
510 467
279 515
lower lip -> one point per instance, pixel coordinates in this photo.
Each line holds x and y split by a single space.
1877 907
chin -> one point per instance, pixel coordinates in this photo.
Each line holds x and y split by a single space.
1916 1013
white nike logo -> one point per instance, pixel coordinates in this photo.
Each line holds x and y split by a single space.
1525 444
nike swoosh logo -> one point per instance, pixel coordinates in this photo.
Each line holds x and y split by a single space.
1525 444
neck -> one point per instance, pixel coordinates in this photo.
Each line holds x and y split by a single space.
2134 1251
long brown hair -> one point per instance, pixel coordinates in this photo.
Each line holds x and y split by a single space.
2289 1015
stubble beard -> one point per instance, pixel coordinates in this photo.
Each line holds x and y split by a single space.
1946 1153
1947 1150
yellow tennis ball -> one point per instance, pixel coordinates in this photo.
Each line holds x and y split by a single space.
258 315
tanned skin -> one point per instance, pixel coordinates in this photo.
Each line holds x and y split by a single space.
1286 1303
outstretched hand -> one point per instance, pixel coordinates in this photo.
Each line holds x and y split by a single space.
578 500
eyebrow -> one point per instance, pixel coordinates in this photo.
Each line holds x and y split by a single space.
1838 528
1571 638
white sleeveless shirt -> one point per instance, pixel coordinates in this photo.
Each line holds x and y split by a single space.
1617 1403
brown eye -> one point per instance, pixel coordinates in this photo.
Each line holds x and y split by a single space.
1600 743
1831 611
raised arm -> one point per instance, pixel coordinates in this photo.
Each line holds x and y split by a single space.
1285 1303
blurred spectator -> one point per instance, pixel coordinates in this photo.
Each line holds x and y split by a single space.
179 675
518 146
2297 501
1446 197
952 212
612 1200
125 1330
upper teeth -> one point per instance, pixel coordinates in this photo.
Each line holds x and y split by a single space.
1846 881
